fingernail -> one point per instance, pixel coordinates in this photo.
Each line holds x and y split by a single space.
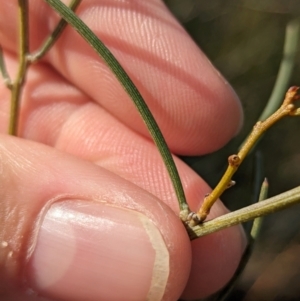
95 251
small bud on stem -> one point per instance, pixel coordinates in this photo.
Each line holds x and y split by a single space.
234 161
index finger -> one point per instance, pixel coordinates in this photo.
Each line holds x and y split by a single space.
196 109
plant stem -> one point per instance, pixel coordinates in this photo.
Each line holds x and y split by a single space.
290 50
23 62
132 91
248 213
287 108
49 42
3 70
284 75
258 221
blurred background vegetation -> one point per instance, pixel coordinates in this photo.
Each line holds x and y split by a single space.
244 40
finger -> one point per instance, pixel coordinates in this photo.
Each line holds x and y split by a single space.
73 231
195 108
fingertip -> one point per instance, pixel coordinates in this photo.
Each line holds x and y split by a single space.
82 243
210 110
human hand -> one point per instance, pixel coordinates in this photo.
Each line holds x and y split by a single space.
87 210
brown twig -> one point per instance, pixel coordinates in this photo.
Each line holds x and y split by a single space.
23 63
234 161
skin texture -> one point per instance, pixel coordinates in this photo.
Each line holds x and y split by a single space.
81 139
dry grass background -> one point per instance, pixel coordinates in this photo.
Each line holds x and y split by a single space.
244 40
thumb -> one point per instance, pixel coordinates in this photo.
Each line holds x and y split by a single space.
70 230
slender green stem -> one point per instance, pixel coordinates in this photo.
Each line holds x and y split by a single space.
274 204
290 51
23 62
130 88
284 75
49 42
3 70
258 221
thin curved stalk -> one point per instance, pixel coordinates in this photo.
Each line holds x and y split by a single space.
3 70
257 223
132 91
290 50
49 42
